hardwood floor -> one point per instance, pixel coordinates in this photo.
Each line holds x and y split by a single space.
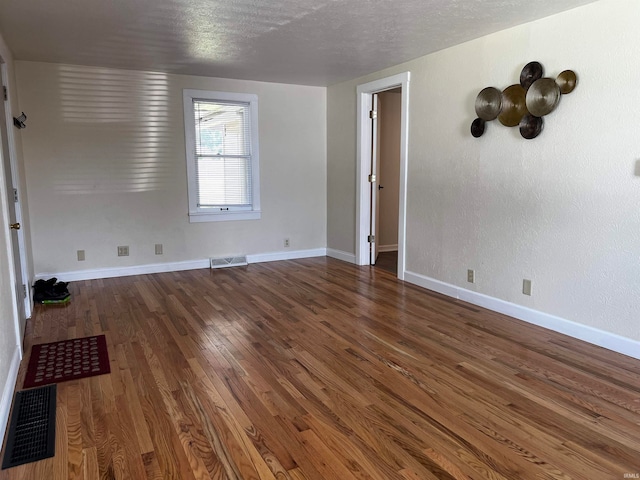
388 261
318 369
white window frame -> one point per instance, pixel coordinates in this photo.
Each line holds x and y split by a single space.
203 214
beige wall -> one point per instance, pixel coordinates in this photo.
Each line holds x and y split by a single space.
341 166
105 165
389 106
561 210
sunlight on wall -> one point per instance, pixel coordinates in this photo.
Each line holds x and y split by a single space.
116 129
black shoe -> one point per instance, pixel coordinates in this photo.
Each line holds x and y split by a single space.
61 288
50 290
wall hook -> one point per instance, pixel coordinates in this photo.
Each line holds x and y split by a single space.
19 122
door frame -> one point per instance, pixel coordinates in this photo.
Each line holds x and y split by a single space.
375 170
15 181
364 94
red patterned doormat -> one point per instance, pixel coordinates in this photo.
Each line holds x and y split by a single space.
67 360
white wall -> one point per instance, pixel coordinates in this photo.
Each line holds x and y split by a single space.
105 165
561 210
9 350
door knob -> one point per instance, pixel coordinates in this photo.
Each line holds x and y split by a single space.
380 187
14 226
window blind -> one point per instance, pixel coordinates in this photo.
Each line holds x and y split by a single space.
223 154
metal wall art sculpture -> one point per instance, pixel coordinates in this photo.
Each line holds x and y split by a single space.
523 104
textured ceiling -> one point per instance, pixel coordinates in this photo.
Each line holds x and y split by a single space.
310 42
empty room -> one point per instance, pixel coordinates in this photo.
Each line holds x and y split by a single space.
317 240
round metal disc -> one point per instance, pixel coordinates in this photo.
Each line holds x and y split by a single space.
567 81
514 105
477 127
488 103
543 97
531 72
530 126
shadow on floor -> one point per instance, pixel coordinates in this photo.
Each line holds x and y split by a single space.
388 261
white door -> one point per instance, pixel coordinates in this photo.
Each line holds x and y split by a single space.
14 225
373 182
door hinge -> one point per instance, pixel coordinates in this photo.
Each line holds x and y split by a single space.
371 238
15 195
372 178
373 114
24 291
4 91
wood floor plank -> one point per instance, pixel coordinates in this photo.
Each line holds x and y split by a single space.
90 467
60 460
74 430
316 369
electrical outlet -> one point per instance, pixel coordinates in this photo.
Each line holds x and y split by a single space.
81 255
471 276
526 287
286 242
123 251
158 249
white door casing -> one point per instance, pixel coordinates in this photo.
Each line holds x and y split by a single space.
7 151
365 94
373 183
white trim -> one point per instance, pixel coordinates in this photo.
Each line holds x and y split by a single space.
363 149
608 340
15 179
8 390
293 255
595 336
196 213
388 248
224 217
340 255
364 94
431 284
78 275
11 177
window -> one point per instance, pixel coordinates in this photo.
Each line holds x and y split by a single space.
221 133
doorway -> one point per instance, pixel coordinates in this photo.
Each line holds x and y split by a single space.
7 153
386 207
369 188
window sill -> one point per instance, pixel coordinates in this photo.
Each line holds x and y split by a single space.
199 217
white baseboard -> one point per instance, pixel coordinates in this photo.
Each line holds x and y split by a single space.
78 275
340 255
292 255
388 248
601 338
8 390
608 340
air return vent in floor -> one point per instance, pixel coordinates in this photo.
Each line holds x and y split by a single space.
223 262
32 429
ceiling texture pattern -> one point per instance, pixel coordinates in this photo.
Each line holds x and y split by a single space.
307 42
